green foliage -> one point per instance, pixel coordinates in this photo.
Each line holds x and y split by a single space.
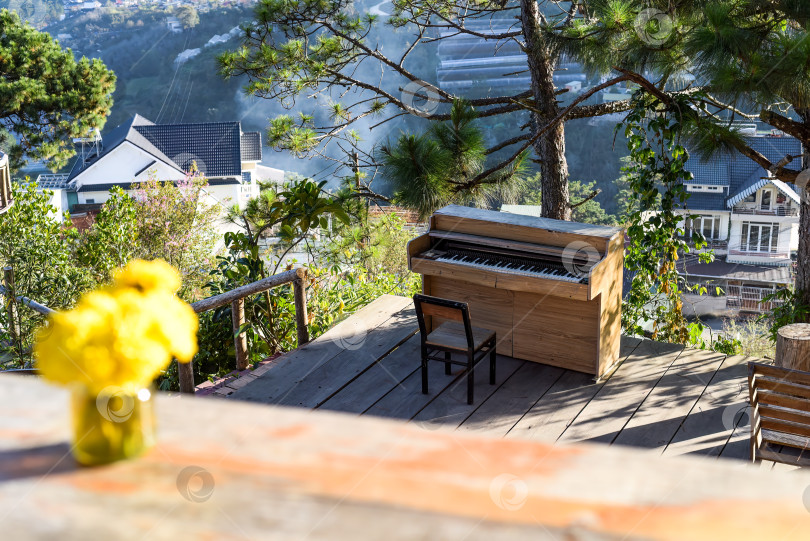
589 212
39 250
722 343
441 165
656 174
787 308
187 16
47 96
111 241
177 223
753 336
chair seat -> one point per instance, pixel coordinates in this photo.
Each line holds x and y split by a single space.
451 335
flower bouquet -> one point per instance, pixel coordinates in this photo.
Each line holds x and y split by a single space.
109 349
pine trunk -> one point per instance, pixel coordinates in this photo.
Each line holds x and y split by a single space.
803 257
550 148
803 254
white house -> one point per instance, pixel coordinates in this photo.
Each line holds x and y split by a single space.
750 218
134 151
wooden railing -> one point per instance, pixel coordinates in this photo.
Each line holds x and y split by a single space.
6 197
235 297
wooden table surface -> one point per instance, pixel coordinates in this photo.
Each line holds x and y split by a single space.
232 470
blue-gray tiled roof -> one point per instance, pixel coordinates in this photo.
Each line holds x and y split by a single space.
735 170
251 146
213 146
217 148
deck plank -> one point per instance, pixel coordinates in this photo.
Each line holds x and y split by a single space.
713 420
450 407
610 410
405 400
275 380
328 378
660 415
501 411
377 381
551 415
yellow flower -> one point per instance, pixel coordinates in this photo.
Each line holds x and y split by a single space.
121 335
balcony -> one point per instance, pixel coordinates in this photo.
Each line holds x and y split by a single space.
781 210
711 244
763 255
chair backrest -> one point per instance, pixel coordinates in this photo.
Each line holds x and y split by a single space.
780 401
427 306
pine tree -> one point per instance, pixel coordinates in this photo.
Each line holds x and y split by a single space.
330 50
742 60
47 96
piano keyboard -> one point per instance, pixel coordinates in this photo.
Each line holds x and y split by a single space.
511 265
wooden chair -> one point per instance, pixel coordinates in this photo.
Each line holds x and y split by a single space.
457 335
780 414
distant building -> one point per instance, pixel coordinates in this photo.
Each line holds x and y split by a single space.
750 218
130 153
468 62
174 25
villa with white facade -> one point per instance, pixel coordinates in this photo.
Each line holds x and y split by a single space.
750 218
139 149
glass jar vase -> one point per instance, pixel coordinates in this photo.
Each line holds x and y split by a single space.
111 425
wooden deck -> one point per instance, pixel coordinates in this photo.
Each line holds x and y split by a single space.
661 397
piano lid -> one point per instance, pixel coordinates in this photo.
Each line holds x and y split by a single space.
546 224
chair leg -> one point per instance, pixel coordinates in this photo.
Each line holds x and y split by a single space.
470 377
492 365
447 369
424 371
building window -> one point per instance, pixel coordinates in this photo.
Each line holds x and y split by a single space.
90 201
759 237
765 201
751 198
708 225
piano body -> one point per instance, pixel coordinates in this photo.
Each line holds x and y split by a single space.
552 290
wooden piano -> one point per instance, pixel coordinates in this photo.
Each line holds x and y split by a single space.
552 290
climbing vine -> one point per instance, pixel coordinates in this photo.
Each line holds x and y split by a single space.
656 173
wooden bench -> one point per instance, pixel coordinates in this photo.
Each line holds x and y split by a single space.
780 414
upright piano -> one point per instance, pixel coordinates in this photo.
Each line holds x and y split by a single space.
550 289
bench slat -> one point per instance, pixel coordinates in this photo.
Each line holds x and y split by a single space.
791 440
781 400
781 386
786 427
785 414
769 370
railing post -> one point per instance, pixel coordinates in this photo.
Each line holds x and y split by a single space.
239 339
185 375
300 293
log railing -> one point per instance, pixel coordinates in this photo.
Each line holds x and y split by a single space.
6 195
235 297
